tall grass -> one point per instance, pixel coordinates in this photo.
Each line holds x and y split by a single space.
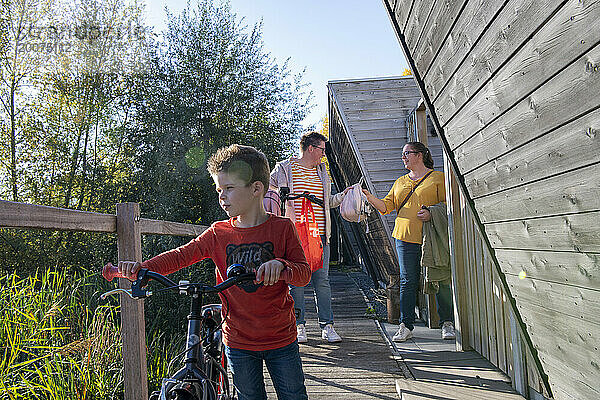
55 343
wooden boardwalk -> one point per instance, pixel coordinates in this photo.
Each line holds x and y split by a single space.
437 371
361 366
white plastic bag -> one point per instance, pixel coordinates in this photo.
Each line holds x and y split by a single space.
354 206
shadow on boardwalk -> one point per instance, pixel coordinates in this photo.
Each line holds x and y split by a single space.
362 365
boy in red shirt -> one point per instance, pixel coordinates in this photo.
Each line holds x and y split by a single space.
260 322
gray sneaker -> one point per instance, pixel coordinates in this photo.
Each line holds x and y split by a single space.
301 333
403 334
448 331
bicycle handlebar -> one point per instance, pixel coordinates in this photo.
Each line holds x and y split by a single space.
137 291
311 197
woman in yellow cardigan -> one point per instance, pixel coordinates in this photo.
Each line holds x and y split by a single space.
408 230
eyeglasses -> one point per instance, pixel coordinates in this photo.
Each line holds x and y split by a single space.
406 153
320 148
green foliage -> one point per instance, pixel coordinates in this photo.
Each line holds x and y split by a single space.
210 84
56 343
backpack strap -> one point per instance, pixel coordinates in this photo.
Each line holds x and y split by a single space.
413 190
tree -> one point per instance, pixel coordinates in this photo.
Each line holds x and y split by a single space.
211 84
19 58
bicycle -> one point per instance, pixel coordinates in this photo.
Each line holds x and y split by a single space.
204 375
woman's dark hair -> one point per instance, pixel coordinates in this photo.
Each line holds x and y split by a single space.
311 139
421 148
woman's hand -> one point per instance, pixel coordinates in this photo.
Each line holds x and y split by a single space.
424 214
375 202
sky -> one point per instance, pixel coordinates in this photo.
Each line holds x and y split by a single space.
328 39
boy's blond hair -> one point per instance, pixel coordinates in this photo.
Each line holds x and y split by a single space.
246 162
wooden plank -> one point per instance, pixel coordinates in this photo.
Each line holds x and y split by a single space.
565 346
378 104
417 20
460 289
385 134
391 144
129 247
519 380
157 227
437 33
569 386
393 95
397 82
481 295
421 121
570 300
470 25
504 36
508 335
391 112
576 232
21 215
498 296
402 11
472 265
489 307
579 269
572 192
467 273
388 123
536 62
569 147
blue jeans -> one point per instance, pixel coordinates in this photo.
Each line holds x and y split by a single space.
443 299
284 366
320 282
409 258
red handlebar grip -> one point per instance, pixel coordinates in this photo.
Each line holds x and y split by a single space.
109 272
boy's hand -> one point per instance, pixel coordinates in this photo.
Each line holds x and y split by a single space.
129 269
268 273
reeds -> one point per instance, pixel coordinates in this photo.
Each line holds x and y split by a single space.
55 343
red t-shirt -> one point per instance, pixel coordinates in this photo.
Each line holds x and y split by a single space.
260 317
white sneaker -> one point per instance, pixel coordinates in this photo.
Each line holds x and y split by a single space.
330 334
403 334
448 331
301 333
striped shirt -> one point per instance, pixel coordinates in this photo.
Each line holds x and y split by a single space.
306 180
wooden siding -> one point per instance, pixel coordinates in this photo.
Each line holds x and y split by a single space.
512 89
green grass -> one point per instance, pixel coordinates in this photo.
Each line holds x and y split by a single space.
55 343
58 341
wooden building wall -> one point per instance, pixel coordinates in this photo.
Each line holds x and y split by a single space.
512 89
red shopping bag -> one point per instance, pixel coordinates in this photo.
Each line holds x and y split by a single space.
308 231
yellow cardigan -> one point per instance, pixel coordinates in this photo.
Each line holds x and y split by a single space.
408 227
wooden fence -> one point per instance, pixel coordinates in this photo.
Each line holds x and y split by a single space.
129 227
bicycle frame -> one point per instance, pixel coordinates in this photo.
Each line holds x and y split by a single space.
203 360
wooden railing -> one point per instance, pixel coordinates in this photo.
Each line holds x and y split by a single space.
129 227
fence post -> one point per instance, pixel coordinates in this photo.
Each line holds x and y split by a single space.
129 245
